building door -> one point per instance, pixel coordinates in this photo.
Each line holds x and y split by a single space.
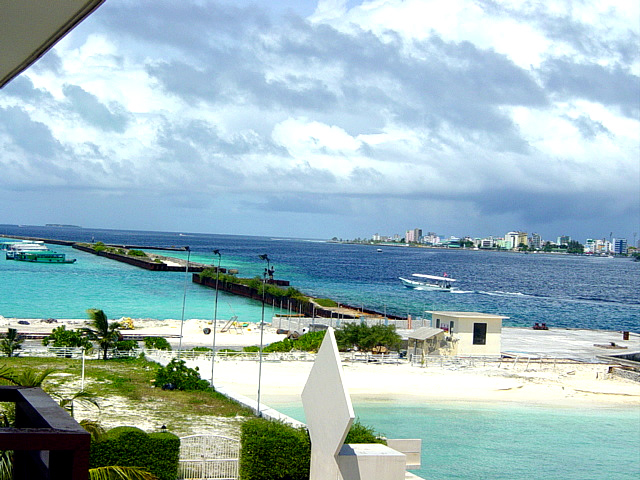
479 333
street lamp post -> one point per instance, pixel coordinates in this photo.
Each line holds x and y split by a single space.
215 314
184 297
267 270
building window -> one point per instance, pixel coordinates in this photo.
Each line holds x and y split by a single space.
479 333
437 323
451 326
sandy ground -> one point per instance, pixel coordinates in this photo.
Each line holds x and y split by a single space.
571 384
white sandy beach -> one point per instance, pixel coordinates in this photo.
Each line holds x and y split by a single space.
568 384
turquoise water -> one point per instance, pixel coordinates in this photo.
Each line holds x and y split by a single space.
469 441
67 290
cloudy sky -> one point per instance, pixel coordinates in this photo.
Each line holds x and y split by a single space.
332 118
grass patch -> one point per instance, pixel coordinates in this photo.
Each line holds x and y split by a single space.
131 379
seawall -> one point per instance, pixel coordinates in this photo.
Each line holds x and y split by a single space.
307 308
146 263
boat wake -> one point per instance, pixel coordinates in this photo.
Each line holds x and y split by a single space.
582 300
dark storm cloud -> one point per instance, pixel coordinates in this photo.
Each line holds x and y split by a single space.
590 81
569 206
31 136
94 112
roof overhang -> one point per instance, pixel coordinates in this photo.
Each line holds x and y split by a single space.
31 27
466 314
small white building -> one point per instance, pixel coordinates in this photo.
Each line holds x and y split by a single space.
470 333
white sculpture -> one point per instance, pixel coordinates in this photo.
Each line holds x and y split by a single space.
328 410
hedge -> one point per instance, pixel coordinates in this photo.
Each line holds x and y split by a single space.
271 450
158 453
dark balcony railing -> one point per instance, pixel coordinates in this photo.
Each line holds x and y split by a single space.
47 442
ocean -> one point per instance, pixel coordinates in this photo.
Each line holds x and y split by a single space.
560 290
464 440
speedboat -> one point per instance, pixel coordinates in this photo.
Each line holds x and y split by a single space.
429 282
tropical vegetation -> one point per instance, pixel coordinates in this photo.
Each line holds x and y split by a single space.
363 337
61 337
177 376
105 334
11 342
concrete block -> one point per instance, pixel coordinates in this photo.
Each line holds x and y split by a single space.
371 461
411 447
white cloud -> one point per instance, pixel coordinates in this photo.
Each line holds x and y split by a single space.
381 102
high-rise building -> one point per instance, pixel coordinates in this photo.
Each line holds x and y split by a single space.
514 239
413 236
536 241
564 240
620 246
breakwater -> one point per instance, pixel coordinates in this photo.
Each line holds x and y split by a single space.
302 306
148 263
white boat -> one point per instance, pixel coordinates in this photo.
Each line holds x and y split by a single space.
15 248
429 282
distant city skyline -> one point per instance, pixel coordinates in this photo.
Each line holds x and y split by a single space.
311 119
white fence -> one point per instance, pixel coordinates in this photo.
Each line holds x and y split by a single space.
298 324
209 457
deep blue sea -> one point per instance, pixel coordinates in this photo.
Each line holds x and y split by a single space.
561 290
460 441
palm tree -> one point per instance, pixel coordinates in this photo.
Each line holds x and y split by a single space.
104 333
26 378
120 473
11 342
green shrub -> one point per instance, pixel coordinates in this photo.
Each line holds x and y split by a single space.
360 433
273 451
158 343
366 338
61 337
158 453
126 345
309 342
201 349
181 377
99 247
251 349
137 253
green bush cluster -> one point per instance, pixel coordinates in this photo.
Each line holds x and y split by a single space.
158 453
61 337
365 338
257 284
271 450
126 345
137 253
181 377
158 343
309 342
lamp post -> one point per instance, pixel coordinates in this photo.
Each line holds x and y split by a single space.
264 288
215 314
184 297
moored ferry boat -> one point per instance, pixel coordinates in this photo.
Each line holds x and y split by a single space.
13 248
43 257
